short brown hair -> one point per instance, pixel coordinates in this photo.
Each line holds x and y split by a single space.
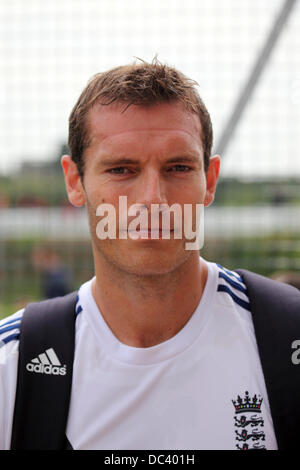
142 84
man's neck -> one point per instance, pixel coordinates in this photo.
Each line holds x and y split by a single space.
143 311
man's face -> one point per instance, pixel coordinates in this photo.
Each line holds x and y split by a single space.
151 155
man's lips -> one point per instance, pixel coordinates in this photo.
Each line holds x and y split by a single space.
151 230
150 233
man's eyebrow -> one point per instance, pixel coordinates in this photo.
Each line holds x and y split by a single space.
117 161
184 159
132 161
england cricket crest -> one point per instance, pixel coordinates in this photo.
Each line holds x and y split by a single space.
249 423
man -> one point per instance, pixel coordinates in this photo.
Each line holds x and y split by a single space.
166 355
55 276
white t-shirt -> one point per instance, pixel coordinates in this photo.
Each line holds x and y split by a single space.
202 389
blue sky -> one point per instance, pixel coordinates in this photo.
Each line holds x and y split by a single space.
49 50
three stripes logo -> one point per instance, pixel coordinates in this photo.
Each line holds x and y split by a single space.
47 363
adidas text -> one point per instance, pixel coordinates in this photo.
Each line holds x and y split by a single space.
46 369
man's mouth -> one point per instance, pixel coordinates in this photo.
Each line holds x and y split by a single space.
152 233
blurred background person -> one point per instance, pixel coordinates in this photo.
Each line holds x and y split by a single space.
55 276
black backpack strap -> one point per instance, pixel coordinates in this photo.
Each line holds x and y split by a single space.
275 309
46 353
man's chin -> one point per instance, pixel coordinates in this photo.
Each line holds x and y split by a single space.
150 271
145 264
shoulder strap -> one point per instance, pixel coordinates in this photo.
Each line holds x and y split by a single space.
275 308
46 353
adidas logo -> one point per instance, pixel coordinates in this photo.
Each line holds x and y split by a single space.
46 363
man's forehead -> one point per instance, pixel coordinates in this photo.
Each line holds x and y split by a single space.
113 120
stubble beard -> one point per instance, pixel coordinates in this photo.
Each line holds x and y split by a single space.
114 255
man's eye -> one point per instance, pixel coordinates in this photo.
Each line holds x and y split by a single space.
180 168
119 171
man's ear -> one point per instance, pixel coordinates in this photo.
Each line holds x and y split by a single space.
212 179
73 181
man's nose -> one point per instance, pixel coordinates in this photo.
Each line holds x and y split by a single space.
152 189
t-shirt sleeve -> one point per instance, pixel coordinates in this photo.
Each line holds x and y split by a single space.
9 354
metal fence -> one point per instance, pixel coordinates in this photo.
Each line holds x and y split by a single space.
245 57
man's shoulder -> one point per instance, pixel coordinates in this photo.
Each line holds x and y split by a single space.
267 287
10 327
275 306
9 337
262 278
